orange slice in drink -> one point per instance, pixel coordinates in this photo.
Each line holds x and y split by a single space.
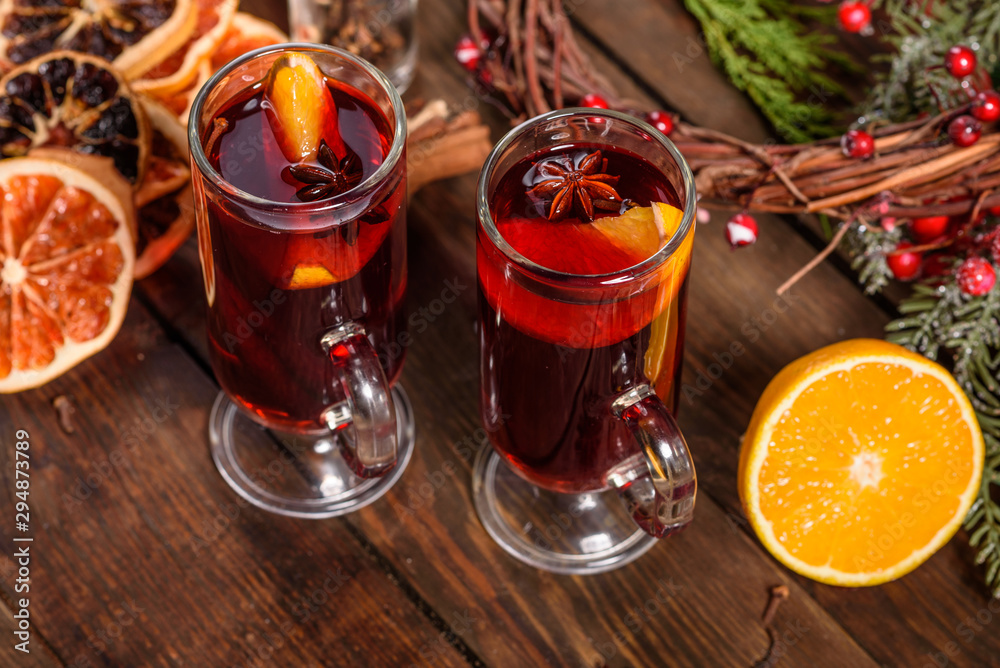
66 260
300 108
607 245
314 261
309 275
860 461
642 230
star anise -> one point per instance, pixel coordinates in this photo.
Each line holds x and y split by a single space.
582 183
334 177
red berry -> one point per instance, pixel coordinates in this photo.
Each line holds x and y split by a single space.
929 228
986 108
995 248
976 276
936 265
960 61
661 120
854 16
857 144
965 130
904 266
467 53
741 230
593 100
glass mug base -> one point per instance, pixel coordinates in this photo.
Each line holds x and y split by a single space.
296 475
573 534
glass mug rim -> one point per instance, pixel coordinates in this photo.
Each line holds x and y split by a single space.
331 205
628 274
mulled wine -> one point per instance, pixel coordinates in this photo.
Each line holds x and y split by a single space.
282 274
592 319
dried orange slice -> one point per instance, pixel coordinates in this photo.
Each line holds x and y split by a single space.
66 262
180 103
163 201
245 34
76 101
134 36
180 68
860 461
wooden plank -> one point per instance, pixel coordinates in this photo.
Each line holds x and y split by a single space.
142 555
922 618
433 534
39 654
510 614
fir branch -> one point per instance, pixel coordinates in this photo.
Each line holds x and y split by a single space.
868 245
765 51
940 317
920 42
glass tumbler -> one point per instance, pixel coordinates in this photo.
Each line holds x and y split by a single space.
380 31
579 372
310 421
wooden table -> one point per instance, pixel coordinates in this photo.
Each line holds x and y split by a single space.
142 555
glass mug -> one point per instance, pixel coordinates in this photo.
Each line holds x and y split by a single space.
310 421
580 371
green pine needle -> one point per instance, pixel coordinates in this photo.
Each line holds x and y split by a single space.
940 319
920 43
766 52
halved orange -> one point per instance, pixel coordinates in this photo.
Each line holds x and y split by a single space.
860 461
66 262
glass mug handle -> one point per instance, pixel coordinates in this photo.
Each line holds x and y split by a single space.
658 485
371 447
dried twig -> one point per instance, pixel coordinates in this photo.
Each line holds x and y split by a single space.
532 59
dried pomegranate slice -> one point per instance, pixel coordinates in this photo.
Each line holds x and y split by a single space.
66 264
76 101
135 35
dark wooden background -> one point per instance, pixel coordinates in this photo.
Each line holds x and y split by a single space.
144 557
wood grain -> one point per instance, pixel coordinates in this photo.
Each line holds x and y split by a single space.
124 580
39 654
427 529
143 556
926 616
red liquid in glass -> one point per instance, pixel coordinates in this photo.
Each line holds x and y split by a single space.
552 365
265 321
